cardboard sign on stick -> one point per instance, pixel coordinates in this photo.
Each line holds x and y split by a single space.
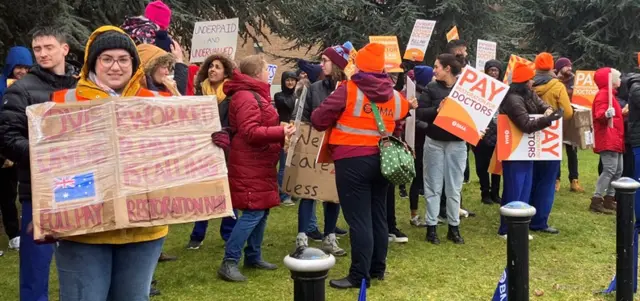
471 105
485 51
123 163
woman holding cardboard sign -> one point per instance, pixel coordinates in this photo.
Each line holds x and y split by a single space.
519 103
444 153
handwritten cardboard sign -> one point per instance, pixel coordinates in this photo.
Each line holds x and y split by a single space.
272 72
514 145
453 34
512 64
419 40
392 57
470 106
485 51
209 37
584 89
125 162
304 178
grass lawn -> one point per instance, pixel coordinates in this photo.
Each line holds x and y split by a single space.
569 266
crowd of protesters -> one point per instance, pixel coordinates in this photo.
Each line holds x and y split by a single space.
140 59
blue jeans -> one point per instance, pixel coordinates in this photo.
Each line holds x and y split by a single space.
306 211
106 272
35 261
518 179
543 191
281 166
636 155
226 226
249 230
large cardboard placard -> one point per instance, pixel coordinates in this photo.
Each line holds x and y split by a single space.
419 40
303 177
392 57
512 63
514 145
584 89
471 105
125 162
485 51
209 37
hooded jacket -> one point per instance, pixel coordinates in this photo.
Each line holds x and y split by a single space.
606 138
140 29
17 56
378 88
256 143
89 90
518 108
285 100
633 99
34 88
553 92
152 57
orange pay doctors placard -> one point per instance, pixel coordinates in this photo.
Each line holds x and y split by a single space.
514 145
392 57
584 89
471 105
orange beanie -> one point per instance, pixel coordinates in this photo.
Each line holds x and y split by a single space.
544 61
371 58
522 73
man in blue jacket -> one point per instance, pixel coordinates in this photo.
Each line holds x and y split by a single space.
16 66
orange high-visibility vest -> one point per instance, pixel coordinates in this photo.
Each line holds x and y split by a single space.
70 95
357 124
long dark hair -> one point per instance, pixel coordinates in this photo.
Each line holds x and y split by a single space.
521 89
455 62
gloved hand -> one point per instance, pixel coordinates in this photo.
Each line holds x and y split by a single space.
610 113
555 115
222 139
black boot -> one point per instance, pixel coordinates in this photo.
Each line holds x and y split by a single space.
432 235
486 198
344 283
229 271
454 235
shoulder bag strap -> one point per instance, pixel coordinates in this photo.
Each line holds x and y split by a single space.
379 122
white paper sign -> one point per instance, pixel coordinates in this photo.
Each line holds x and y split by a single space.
419 40
410 123
211 37
272 72
485 51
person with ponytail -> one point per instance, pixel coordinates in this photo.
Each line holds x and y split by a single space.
445 153
519 103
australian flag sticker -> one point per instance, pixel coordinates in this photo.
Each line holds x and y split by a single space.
74 188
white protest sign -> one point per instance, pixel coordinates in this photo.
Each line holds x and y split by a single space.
410 124
471 105
419 40
211 37
485 51
272 72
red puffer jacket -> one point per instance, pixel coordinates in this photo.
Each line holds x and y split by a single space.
255 146
606 138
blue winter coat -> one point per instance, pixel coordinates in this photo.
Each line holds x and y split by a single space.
18 56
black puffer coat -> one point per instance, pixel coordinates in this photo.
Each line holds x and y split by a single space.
35 87
285 100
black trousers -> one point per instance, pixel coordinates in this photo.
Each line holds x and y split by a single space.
572 161
489 184
417 184
467 173
628 163
8 194
391 207
363 192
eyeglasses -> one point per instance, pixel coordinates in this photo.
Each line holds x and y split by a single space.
107 61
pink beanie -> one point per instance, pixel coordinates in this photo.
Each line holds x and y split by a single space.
158 13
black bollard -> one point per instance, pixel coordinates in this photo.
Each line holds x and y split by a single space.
625 196
518 216
309 268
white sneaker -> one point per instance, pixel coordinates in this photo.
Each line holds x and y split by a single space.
14 244
330 245
302 240
505 236
416 222
464 213
287 202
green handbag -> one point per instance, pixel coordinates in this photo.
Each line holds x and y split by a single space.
396 158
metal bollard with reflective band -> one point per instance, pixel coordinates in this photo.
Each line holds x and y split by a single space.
625 197
309 268
518 216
